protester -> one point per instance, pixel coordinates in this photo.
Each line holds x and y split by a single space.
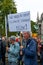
8 42
30 53
39 46
13 51
39 50
3 49
0 50
21 42
41 54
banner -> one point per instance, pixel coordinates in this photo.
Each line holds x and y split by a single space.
19 22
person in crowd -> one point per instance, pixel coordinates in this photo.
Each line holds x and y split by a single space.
3 49
39 50
8 42
20 60
30 53
0 50
13 51
41 53
39 46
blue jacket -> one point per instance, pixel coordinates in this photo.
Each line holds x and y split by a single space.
13 52
30 57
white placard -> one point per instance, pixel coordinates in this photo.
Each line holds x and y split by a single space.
19 22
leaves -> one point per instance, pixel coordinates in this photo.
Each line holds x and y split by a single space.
33 27
6 7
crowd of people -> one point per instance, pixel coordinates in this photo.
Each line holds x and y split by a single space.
25 51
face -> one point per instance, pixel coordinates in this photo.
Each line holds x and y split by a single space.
39 40
3 38
26 35
12 41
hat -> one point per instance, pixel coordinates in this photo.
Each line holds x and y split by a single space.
16 39
13 38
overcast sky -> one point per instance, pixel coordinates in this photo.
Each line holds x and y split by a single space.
33 6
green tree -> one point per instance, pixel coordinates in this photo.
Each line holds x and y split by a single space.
33 25
6 7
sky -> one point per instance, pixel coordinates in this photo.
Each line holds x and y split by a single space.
33 6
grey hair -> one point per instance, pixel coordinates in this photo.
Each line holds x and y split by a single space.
30 33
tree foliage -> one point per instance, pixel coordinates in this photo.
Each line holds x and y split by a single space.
6 7
32 27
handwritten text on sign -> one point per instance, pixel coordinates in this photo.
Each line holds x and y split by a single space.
19 22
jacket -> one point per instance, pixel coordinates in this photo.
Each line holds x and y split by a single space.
13 52
3 48
30 55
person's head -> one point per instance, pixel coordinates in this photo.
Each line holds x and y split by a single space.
26 35
39 40
12 39
3 38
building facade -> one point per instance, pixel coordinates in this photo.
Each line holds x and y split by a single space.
40 25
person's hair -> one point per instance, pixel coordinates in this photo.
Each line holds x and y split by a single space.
29 33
